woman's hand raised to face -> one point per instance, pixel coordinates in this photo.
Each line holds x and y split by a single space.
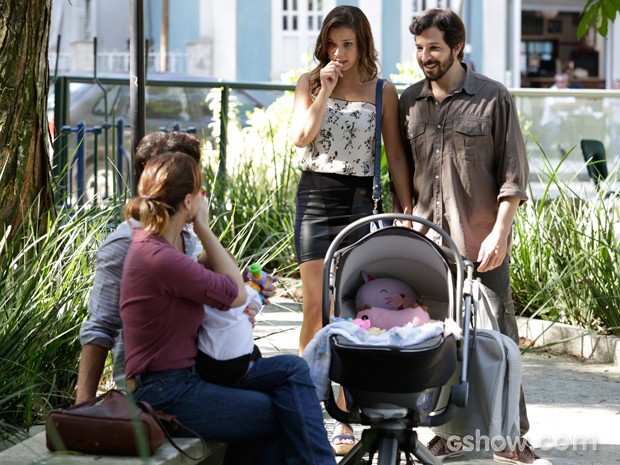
329 76
201 221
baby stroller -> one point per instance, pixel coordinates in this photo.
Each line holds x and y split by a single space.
394 389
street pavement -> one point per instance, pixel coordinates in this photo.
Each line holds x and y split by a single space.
573 405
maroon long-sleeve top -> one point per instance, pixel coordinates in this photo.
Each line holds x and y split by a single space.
162 296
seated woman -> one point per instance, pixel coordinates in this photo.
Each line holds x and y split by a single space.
275 416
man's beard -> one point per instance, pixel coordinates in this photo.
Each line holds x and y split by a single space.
438 73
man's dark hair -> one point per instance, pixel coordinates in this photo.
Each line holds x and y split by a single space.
447 21
160 142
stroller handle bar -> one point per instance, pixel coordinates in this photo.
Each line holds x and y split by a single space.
331 251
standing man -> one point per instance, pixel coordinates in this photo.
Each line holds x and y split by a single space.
470 171
611 107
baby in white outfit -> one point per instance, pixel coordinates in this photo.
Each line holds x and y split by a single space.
226 349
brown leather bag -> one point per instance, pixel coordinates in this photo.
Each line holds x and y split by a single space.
110 424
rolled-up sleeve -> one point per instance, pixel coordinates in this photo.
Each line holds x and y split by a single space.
513 168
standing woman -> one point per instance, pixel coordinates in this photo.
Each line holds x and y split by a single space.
334 119
270 417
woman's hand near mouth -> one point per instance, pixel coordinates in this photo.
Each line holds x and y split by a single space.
330 74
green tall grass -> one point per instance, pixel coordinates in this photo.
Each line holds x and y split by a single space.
44 287
566 255
253 205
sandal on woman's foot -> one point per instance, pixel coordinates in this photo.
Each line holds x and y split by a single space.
343 443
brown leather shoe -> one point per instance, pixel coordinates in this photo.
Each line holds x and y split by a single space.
523 455
440 448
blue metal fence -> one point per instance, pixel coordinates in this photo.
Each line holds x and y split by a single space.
91 159
74 143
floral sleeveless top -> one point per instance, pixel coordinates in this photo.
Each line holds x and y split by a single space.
345 143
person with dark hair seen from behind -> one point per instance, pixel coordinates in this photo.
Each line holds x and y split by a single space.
470 172
102 330
272 415
334 119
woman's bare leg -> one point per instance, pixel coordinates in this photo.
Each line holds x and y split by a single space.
312 288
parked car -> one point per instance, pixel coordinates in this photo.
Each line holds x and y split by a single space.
184 105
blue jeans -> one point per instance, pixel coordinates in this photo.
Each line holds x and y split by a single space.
272 416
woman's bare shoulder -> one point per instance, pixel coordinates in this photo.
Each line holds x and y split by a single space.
304 81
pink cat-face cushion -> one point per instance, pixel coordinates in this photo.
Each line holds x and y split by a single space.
387 319
388 302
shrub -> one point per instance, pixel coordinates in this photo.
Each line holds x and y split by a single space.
252 203
44 287
566 257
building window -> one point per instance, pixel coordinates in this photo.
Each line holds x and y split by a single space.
298 12
538 57
297 25
418 6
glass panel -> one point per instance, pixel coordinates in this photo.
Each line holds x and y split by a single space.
166 103
295 5
310 5
99 107
295 22
285 23
284 5
311 23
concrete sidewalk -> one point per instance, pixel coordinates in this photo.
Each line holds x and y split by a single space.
573 406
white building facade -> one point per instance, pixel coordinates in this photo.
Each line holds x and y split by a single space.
517 42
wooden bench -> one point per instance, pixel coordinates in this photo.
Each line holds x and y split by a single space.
33 451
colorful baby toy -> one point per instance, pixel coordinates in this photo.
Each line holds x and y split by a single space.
388 302
257 278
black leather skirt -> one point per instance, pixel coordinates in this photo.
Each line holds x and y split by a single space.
326 203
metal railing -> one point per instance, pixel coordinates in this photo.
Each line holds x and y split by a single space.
77 169
77 139
118 62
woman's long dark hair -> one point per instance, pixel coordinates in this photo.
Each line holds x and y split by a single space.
353 18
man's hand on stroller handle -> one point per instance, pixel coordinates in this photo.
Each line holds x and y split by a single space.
405 223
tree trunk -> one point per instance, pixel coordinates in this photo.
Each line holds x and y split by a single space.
25 173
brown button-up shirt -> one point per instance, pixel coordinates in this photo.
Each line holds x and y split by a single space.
467 154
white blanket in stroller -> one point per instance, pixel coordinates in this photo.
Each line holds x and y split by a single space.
317 352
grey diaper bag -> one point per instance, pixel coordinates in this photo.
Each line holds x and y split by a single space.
494 377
